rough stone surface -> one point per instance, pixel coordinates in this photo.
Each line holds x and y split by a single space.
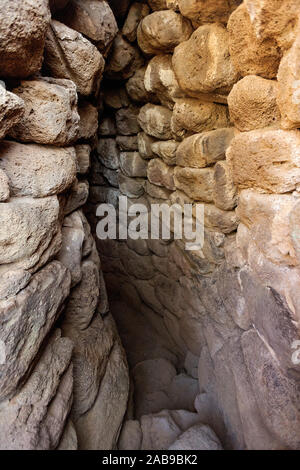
201 150
156 121
207 11
196 183
35 170
214 72
269 160
29 233
93 19
252 103
288 92
22 37
35 418
51 115
137 12
11 111
250 55
191 116
162 31
198 437
69 55
125 59
27 319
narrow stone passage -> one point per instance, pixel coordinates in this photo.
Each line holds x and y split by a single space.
138 341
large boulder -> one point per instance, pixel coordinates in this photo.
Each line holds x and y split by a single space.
251 55
94 19
203 65
191 116
207 11
267 159
36 170
23 27
198 437
161 31
51 115
69 55
29 233
252 103
26 320
36 417
11 111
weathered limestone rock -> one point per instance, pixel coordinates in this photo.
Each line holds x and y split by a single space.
219 220
12 282
157 384
124 60
207 11
69 438
224 189
156 121
137 12
166 150
133 165
109 153
92 347
271 386
99 428
83 158
145 142
252 103
157 192
51 115
22 37
111 176
127 121
250 55
29 232
107 127
88 121
35 418
69 55
26 320
203 65
160 430
172 5
268 216
200 150
266 159
77 196
136 87
161 174
288 90
191 116
160 80
94 19
11 110
276 20
35 170
162 31
131 187
4 186
198 437
70 254
127 143
196 183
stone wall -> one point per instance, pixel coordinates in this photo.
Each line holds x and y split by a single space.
63 372
199 106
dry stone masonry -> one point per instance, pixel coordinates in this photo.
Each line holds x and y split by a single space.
164 102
